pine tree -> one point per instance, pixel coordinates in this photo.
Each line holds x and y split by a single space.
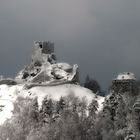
120 119
93 85
92 108
121 112
91 119
47 110
35 110
60 105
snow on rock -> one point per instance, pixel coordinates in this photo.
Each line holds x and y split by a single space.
43 77
126 76
8 95
44 68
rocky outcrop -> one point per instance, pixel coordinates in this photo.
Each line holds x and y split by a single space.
45 69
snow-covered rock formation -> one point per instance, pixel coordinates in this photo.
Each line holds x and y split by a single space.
43 77
44 69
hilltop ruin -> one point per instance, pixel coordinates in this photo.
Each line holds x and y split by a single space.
45 69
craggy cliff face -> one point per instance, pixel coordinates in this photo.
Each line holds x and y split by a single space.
45 69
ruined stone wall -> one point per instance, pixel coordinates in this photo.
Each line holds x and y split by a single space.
44 67
123 86
43 51
44 47
47 47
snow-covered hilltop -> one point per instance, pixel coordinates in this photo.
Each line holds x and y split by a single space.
9 94
43 77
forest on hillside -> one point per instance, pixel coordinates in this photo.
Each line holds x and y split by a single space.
72 118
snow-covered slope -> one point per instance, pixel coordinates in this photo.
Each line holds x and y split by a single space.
43 77
8 95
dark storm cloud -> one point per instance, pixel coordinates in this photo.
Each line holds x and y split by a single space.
101 36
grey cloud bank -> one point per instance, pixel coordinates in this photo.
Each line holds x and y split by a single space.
101 36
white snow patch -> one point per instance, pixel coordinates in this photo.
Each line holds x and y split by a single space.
126 76
100 102
8 95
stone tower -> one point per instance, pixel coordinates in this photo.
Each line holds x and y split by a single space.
43 51
45 69
44 46
125 82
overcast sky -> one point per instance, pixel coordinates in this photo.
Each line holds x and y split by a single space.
101 36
